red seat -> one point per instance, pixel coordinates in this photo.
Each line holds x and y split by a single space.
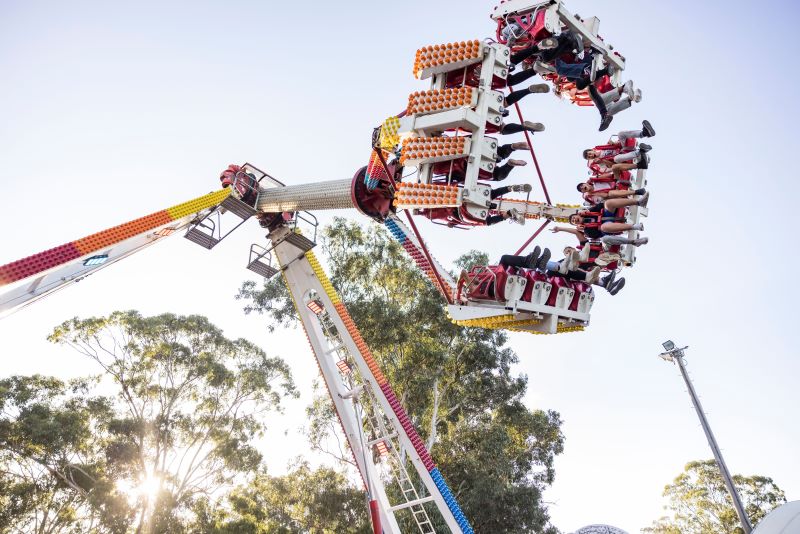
580 288
533 277
557 282
488 283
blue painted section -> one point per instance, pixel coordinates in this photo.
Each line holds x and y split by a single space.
396 231
370 182
466 528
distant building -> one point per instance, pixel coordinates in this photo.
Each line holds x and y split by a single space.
600 529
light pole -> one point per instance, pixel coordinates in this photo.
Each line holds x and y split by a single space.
675 355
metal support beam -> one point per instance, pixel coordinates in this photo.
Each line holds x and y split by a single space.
676 356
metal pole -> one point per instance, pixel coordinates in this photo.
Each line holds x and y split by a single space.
677 356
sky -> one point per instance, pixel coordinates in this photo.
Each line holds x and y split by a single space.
111 111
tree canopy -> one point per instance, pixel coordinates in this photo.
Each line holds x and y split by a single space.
184 408
699 503
456 383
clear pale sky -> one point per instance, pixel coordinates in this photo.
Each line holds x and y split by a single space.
111 111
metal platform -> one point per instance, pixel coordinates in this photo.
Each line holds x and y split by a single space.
237 207
300 241
205 240
260 261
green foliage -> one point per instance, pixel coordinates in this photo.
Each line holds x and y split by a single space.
184 408
304 501
53 474
700 503
456 383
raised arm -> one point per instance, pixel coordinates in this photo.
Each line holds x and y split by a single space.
574 231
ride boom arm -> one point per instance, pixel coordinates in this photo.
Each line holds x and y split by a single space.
31 278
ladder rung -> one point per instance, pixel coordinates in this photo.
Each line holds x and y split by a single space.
383 438
409 504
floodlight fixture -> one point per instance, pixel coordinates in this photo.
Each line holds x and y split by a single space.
96 260
668 345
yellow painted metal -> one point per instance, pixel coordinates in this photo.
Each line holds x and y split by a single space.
193 206
323 278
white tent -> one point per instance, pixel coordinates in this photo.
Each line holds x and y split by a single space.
782 520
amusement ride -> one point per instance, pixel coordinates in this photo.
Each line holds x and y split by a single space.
437 159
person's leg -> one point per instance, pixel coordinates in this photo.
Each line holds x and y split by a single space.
566 42
522 55
624 193
494 219
618 168
597 98
516 96
572 71
611 96
613 240
500 191
502 172
615 228
630 134
506 150
620 105
519 77
626 156
553 266
512 128
616 203
503 151
508 260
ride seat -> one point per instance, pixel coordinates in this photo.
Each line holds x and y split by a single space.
561 294
583 298
537 289
485 282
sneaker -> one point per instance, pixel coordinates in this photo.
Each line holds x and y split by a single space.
530 259
616 287
533 126
522 145
515 214
543 68
644 162
638 226
647 129
643 200
641 241
637 96
541 263
539 88
606 122
517 163
608 280
644 148
628 89
593 276
547 43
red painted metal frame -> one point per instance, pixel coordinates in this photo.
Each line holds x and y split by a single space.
538 171
530 147
442 286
